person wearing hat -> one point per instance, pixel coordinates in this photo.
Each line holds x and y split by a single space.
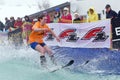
66 16
77 18
57 15
92 15
109 12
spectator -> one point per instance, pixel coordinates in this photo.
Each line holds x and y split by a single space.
119 14
77 18
57 15
66 16
7 24
109 12
27 28
47 15
27 19
12 22
2 26
18 23
92 15
6 20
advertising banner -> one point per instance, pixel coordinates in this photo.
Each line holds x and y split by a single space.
84 35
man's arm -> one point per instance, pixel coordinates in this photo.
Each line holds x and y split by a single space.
57 38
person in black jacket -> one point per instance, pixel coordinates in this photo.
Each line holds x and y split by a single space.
7 24
109 12
119 14
2 26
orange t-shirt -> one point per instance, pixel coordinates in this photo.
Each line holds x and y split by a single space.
37 36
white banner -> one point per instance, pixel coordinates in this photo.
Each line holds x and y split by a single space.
84 35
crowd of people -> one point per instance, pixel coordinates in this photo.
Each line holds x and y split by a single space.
60 16
93 15
11 24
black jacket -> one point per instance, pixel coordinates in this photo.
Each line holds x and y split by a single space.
2 26
119 14
111 14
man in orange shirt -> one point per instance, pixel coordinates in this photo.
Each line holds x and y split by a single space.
36 39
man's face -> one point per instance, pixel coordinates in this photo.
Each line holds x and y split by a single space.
108 9
76 16
65 12
44 20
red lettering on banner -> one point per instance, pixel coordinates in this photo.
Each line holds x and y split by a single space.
66 33
92 33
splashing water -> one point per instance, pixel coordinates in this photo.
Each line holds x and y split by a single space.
24 64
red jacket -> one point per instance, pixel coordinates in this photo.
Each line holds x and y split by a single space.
18 24
66 19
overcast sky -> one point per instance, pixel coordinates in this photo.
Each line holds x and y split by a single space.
19 8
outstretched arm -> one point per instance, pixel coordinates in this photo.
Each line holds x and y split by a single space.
57 38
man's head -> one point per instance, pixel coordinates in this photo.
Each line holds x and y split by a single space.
76 15
108 8
42 19
45 13
19 19
6 19
12 18
65 10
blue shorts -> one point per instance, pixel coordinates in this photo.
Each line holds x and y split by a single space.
34 44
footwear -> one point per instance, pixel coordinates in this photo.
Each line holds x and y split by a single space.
53 59
43 61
